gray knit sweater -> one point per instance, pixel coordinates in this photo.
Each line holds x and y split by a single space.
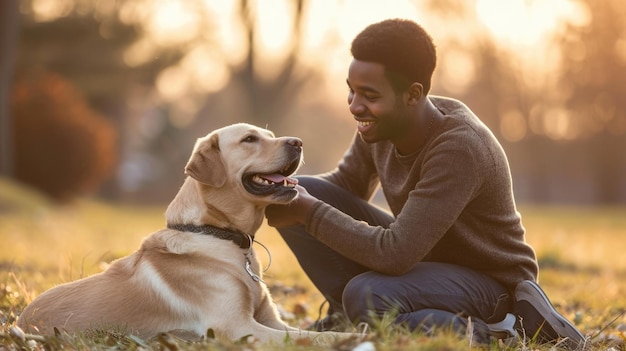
452 202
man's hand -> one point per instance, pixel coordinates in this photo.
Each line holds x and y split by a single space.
293 213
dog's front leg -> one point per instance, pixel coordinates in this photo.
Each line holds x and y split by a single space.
267 314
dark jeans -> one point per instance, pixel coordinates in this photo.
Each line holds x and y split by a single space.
431 295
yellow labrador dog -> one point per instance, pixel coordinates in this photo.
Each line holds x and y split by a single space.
201 272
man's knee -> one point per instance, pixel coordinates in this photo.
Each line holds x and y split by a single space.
360 299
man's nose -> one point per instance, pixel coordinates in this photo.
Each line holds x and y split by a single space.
356 107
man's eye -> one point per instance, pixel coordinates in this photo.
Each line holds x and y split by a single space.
371 97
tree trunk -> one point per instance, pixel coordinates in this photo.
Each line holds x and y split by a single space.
9 19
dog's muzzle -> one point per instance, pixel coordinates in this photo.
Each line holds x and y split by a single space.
278 182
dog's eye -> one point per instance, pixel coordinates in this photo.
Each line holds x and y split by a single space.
250 139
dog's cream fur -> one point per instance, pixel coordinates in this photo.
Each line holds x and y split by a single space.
184 281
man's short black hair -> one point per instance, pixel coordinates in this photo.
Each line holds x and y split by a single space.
403 47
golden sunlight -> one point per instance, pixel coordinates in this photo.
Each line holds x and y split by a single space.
526 23
48 10
172 22
329 26
274 33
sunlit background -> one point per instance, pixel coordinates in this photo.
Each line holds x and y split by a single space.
546 76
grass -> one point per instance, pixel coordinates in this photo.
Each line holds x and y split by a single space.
581 252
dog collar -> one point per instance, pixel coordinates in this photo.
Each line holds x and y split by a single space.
241 239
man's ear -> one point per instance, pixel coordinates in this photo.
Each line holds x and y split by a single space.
415 92
206 164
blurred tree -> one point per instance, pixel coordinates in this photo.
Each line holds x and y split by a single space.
92 44
63 147
594 68
86 42
8 39
564 128
593 79
125 68
270 99
264 92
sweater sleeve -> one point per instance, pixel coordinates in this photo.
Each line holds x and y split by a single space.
450 178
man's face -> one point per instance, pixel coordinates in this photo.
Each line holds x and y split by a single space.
381 114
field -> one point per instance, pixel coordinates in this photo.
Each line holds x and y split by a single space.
582 257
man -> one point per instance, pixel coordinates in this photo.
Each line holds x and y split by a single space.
453 249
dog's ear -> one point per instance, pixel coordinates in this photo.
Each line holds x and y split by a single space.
206 164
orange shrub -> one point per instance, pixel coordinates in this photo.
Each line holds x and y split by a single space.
62 146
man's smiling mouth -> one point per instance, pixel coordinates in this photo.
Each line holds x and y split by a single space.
365 123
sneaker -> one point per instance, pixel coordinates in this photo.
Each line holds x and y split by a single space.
504 329
539 320
504 332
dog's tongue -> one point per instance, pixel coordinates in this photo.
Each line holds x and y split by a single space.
279 178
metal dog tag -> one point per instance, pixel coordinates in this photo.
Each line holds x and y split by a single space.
254 276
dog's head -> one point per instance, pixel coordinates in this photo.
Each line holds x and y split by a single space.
249 160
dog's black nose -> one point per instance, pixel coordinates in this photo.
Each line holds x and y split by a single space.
295 142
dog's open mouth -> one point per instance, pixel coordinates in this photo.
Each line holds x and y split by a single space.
269 183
